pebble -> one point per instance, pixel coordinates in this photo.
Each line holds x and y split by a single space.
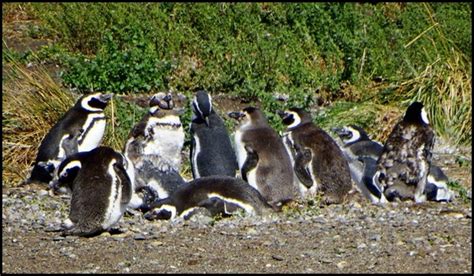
139 237
277 257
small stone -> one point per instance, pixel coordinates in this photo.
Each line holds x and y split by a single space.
375 237
361 246
268 265
139 237
58 238
277 257
341 265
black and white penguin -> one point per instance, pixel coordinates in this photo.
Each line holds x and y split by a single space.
218 194
154 147
211 148
437 186
319 163
355 144
403 166
370 187
101 190
81 128
263 160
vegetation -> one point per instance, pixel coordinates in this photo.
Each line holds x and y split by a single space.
370 60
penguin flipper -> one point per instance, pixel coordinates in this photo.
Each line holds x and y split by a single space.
250 162
301 169
124 182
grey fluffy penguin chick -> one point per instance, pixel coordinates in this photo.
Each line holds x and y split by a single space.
318 162
263 160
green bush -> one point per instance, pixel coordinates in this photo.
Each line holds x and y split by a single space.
254 50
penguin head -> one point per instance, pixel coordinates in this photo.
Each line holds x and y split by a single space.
66 173
161 100
416 113
95 102
351 134
162 210
294 117
248 115
202 105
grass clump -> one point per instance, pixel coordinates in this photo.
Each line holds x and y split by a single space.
32 103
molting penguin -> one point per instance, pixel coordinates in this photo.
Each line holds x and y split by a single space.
219 194
319 164
82 126
101 190
403 166
358 145
154 147
211 149
263 160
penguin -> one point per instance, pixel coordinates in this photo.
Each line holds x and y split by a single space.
437 186
263 160
101 190
211 148
84 123
357 144
154 148
369 185
403 166
319 163
219 194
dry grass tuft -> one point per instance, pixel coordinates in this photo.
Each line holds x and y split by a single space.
32 103
445 90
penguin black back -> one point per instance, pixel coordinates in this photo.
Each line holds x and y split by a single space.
211 149
203 192
101 190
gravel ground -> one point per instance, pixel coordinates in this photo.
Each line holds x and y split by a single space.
353 237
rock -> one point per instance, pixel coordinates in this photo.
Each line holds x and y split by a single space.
139 237
277 257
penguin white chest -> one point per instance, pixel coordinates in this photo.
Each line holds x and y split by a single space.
93 132
240 148
166 138
196 150
252 178
114 209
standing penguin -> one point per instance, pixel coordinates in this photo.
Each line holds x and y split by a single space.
80 129
101 190
218 194
211 149
319 164
154 147
403 166
263 160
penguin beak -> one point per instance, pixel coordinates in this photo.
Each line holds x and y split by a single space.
283 114
237 115
105 97
339 130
